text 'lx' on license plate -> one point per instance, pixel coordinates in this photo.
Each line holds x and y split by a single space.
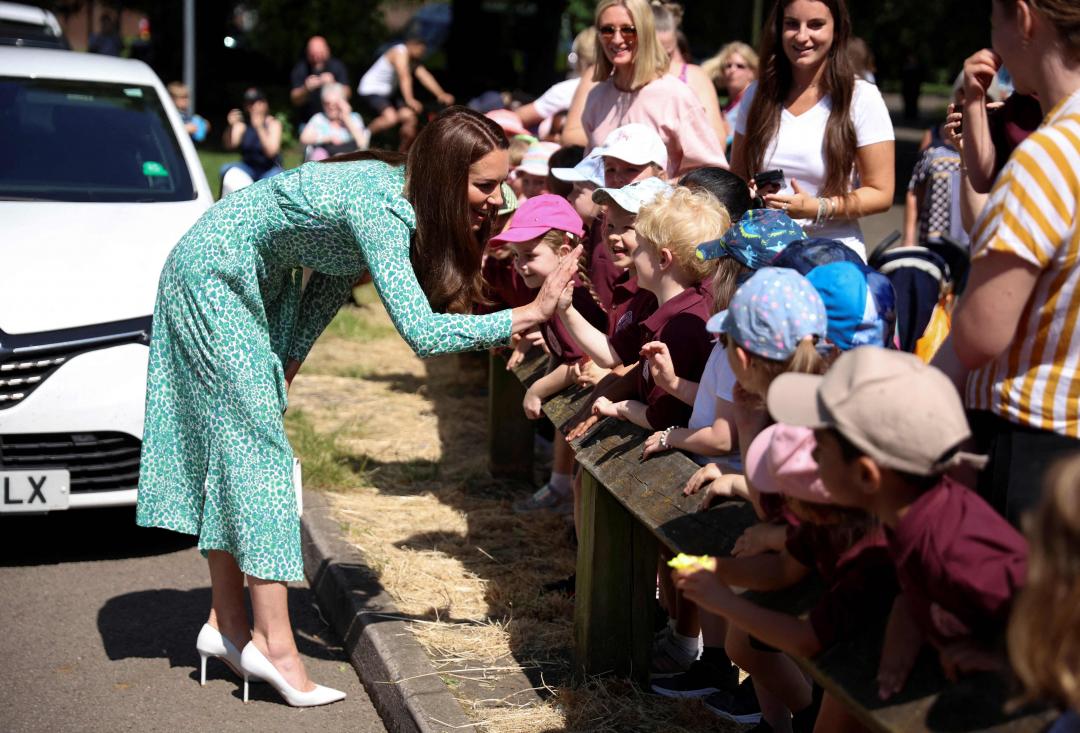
34 491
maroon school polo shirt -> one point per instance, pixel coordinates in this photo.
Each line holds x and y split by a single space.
679 323
630 305
602 270
958 562
564 349
858 575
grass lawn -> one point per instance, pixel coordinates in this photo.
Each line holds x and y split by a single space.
213 158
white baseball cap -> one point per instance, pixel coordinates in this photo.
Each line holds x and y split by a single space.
635 143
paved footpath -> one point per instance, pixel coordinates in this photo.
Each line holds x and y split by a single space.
98 620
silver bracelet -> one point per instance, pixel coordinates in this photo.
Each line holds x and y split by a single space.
664 437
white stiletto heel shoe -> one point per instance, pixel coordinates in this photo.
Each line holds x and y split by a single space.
253 663
212 643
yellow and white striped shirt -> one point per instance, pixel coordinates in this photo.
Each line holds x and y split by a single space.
1032 214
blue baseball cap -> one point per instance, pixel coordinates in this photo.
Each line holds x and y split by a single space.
771 313
857 315
589 170
755 239
803 255
633 196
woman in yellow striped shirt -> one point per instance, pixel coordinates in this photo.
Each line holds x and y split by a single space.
1015 328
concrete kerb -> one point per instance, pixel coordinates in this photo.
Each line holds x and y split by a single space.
403 685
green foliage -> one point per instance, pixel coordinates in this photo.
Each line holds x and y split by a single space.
353 28
350 323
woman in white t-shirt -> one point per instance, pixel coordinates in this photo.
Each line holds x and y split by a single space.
807 94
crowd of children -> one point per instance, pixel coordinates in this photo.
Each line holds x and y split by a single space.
774 361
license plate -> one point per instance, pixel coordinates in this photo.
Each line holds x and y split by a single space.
34 491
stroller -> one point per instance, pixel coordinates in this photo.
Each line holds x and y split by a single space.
923 277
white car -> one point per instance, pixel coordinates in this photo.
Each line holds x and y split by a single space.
29 25
98 181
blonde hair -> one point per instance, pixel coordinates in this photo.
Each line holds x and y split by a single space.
725 281
805 360
679 223
650 60
517 149
585 47
714 67
1044 629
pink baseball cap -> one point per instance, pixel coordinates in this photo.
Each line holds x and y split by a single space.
508 121
536 216
781 461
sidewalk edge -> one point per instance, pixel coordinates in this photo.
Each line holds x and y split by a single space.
404 687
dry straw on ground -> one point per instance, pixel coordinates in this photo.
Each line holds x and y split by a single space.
399 444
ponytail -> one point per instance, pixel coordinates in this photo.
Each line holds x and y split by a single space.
805 360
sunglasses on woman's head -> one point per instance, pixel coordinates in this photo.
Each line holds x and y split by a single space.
626 31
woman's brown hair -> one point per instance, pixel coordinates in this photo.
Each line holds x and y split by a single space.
1044 628
774 83
445 251
1064 15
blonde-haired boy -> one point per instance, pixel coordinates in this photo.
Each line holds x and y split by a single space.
669 228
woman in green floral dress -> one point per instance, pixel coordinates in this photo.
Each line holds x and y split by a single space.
232 325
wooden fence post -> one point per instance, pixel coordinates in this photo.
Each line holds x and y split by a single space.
510 433
616 587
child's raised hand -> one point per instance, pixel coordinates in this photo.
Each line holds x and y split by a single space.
566 298
903 640
759 539
586 373
707 473
532 405
661 368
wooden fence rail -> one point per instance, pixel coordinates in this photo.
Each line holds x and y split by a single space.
632 508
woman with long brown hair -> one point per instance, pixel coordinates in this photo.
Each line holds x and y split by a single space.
232 325
807 92
633 85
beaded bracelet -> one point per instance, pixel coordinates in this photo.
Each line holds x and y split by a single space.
664 436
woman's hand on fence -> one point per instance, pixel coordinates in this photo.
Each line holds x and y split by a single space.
759 539
555 287
661 368
704 475
653 444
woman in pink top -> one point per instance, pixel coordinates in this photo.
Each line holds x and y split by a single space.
634 86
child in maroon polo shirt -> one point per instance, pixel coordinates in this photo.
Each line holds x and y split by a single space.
846 547
888 428
668 230
543 231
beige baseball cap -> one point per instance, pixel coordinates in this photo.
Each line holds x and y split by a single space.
901 412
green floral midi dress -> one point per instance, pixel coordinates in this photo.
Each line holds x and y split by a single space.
230 313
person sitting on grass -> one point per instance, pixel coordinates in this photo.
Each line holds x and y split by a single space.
888 428
847 549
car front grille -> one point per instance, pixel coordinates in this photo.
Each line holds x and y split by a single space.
27 360
96 461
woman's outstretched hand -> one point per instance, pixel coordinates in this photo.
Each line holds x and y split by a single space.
547 300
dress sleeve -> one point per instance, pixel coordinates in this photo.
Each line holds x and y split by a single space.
383 237
322 298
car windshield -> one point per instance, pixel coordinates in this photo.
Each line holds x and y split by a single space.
87 141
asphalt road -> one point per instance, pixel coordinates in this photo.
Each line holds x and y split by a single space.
99 619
